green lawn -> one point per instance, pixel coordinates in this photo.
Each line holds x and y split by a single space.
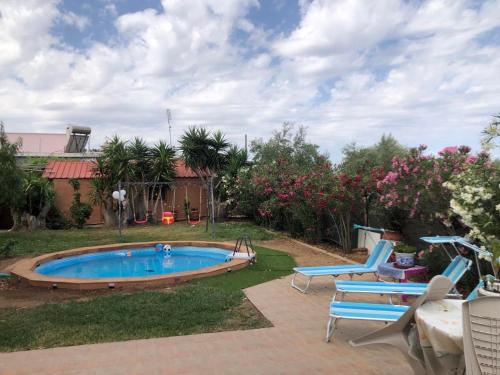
36 243
205 305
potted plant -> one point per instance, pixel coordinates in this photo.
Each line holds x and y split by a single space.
492 282
405 255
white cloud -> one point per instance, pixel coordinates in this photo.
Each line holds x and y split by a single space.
70 18
350 71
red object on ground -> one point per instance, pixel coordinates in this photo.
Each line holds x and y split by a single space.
167 218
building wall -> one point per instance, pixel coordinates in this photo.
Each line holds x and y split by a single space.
190 186
64 197
183 186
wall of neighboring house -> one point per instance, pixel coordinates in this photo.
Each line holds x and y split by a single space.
64 198
190 186
183 185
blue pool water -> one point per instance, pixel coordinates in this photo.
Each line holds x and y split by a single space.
134 262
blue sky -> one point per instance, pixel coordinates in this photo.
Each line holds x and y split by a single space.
348 70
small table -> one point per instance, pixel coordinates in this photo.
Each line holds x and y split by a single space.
402 274
440 336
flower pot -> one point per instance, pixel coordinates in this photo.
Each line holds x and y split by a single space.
492 287
405 260
392 235
482 292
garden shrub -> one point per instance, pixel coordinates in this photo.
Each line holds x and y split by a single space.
56 220
7 247
80 211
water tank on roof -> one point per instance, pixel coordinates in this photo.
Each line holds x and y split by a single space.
77 138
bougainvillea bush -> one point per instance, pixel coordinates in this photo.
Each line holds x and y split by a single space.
416 184
292 187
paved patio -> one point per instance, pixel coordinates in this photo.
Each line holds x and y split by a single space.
295 345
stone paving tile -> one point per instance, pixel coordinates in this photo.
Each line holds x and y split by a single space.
295 345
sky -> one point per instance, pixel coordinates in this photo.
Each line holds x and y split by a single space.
427 72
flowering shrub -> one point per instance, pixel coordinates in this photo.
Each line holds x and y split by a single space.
476 201
415 183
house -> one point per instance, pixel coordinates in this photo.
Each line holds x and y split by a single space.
60 172
185 184
71 144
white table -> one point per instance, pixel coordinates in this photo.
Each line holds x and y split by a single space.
440 336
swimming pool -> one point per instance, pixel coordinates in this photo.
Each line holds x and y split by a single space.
142 262
129 264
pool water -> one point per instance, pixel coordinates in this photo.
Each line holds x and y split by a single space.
135 262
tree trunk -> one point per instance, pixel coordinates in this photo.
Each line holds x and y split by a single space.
208 208
16 220
155 207
42 216
109 214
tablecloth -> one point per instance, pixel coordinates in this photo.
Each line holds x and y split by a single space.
440 336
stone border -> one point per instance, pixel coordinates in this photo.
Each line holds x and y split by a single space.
24 269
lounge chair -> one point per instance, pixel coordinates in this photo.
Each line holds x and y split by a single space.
400 316
380 254
454 271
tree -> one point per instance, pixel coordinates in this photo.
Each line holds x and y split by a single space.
109 168
356 159
162 168
205 154
139 166
286 145
11 178
38 198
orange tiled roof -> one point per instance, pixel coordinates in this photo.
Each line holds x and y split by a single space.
182 171
83 169
68 169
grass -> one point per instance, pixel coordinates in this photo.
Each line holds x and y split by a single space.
184 311
204 305
39 242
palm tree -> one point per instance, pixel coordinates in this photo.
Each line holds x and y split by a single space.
109 169
139 168
205 154
162 168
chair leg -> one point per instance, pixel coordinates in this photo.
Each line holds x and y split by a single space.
302 290
330 328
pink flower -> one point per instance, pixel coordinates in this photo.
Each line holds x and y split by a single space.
391 177
421 254
268 190
471 159
448 150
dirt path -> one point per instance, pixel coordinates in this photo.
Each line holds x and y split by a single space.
304 254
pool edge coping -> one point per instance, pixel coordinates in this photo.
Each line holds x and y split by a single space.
24 269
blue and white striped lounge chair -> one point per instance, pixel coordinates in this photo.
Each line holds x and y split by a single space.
475 292
400 316
454 271
380 254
